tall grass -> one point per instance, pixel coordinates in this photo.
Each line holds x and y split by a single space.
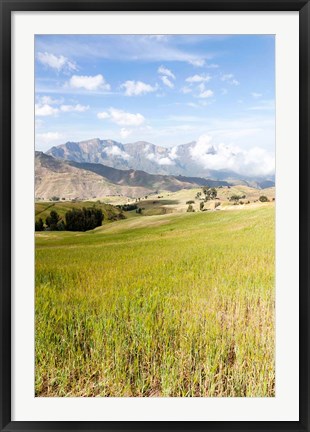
183 306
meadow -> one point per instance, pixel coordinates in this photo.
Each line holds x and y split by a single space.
179 304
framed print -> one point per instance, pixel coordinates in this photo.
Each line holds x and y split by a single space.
154 203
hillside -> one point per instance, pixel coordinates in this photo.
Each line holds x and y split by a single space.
173 305
54 177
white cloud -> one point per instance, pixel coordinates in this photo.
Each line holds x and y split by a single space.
122 118
103 115
167 81
96 82
229 78
212 66
59 63
256 95
49 100
45 110
135 88
252 162
197 62
160 160
198 78
116 151
48 137
77 108
124 133
206 94
162 70
173 153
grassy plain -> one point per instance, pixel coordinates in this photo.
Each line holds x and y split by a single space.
179 304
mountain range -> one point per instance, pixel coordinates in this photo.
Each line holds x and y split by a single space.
96 168
153 159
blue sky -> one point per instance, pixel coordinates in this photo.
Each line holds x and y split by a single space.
167 90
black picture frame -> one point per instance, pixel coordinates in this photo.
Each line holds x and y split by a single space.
6 8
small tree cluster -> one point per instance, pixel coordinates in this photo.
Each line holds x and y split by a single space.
210 193
76 220
84 219
263 198
127 207
236 198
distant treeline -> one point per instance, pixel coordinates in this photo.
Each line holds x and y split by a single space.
84 219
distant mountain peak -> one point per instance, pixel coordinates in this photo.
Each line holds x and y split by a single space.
185 159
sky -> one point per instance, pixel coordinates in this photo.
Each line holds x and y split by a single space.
164 89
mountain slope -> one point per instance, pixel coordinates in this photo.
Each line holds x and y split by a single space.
64 179
58 178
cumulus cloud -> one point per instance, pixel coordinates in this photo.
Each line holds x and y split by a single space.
162 70
77 108
59 63
173 154
116 152
45 110
96 82
167 81
122 118
206 94
198 78
159 159
124 133
251 162
230 79
135 88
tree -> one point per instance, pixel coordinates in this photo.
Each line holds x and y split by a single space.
190 209
235 198
39 226
52 220
210 193
263 198
213 193
84 219
201 205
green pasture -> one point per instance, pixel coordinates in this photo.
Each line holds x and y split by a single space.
164 305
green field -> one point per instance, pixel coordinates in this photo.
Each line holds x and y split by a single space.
165 305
